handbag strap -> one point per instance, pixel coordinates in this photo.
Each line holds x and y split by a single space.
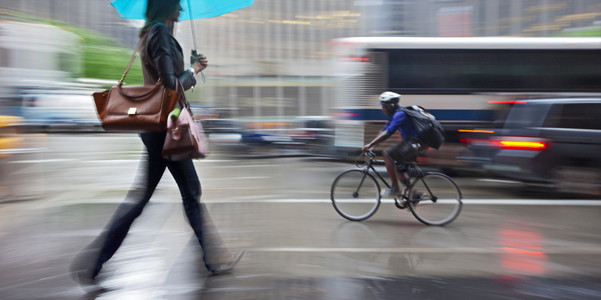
183 100
180 86
133 57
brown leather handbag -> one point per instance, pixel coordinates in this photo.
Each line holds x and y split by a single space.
135 108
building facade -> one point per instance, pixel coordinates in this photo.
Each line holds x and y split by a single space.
273 59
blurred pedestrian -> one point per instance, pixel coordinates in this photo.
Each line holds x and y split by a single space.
162 58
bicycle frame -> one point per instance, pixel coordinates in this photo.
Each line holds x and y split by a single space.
368 166
433 197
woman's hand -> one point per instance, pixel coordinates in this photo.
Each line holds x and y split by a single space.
200 64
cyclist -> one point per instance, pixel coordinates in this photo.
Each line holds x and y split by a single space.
405 150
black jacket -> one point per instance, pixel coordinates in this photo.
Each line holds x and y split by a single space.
162 58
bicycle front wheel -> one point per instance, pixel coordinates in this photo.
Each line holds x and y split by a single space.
355 195
436 199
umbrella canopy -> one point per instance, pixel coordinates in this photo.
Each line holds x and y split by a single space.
192 9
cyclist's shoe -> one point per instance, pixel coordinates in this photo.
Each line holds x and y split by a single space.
401 203
390 193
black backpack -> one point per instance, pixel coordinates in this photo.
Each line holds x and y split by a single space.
427 127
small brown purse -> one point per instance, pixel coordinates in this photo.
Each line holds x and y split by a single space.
135 108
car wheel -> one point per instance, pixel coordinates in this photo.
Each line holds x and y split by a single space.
577 180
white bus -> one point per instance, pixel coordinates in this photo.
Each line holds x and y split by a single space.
463 81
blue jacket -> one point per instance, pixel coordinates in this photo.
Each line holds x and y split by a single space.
399 121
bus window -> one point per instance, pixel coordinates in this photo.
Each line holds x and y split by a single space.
494 70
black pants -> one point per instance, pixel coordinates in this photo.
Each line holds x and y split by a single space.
189 186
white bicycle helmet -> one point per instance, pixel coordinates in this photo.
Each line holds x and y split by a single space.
389 97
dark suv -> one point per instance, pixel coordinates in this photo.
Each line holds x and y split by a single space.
544 141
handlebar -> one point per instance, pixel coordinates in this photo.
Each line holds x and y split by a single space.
370 153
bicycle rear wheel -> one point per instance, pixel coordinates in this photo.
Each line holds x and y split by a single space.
355 195
439 200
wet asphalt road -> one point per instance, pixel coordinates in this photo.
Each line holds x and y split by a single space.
504 245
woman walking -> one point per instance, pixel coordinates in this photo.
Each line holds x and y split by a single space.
162 58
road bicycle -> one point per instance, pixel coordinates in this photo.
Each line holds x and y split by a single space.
435 198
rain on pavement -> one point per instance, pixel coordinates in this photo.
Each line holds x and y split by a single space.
504 245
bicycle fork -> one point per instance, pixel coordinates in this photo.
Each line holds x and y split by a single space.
356 192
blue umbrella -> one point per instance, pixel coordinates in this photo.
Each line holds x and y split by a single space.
192 9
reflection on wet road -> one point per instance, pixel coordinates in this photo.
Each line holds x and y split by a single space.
297 246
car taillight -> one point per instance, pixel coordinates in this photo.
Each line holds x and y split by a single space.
475 131
507 102
354 58
520 143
